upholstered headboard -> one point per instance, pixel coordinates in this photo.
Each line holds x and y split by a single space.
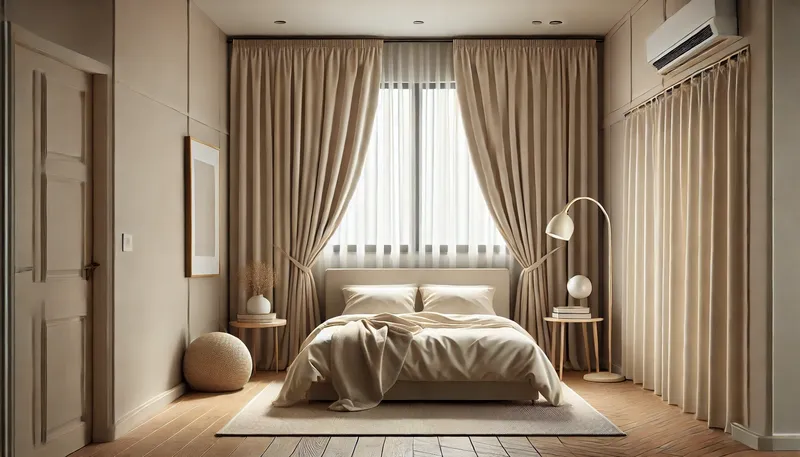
336 278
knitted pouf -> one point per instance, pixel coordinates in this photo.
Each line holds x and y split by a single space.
217 362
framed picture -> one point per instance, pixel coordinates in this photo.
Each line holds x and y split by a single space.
202 209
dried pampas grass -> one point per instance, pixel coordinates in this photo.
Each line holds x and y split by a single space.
259 277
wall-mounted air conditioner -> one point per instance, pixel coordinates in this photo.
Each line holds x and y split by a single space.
696 27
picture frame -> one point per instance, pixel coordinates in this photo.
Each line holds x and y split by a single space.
202 200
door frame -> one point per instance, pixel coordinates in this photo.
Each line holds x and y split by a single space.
103 240
6 241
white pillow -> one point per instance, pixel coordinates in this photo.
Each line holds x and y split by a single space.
394 299
457 299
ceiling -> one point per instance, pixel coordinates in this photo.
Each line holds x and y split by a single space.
443 18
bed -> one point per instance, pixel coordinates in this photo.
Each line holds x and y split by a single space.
492 360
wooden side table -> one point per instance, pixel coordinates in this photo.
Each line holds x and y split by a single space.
556 323
257 326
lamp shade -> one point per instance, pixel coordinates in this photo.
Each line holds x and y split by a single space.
560 226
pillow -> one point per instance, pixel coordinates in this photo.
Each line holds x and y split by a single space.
457 299
394 299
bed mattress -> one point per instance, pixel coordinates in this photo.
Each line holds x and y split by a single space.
493 350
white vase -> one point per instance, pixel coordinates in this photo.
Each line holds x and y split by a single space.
257 304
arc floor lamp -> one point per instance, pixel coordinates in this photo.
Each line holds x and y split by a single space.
561 227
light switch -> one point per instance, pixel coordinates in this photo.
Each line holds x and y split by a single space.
127 242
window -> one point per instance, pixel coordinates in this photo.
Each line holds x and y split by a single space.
418 198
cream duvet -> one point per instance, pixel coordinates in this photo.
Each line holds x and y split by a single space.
364 355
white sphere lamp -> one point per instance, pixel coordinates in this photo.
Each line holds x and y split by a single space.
579 287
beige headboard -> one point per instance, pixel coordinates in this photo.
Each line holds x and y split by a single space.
336 278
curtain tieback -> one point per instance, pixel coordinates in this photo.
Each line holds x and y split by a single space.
296 262
539 262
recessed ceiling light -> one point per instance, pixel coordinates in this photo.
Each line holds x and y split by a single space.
536 22
419 22
556 22
280 22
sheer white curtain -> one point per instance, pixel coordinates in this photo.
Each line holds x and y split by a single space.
418 202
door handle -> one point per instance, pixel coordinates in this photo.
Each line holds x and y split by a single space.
88 270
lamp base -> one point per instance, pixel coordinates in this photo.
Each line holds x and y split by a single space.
603 376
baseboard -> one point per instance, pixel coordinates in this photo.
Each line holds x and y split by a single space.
146 411
764 443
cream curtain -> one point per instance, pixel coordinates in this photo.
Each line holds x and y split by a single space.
530 110
301 117
685 232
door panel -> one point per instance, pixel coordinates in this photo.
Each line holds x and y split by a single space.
53 134
65 239
64 342
65 130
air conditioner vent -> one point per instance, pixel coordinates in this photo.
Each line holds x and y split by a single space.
691 32
693 41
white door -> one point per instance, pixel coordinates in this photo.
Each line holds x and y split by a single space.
53 146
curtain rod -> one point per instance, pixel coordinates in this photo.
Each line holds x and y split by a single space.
231 38
731 56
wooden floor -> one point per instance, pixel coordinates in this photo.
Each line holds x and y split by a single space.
187 428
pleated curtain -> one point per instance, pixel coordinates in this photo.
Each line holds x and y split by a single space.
530 110
685 232
301 117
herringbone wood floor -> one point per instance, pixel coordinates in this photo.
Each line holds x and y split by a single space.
187 428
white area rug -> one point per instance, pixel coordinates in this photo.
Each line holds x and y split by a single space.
576 418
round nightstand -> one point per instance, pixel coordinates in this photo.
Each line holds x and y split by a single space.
257 326
553 343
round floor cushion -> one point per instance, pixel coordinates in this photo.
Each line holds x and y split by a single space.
217 362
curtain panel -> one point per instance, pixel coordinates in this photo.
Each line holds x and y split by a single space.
685 245
301 117
530 111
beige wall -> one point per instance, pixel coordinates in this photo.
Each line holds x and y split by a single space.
170 82
631 81
759 23
786 218
84 26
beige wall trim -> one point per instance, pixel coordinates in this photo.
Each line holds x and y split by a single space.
618 25
637 7
764 443
147 410
181 112
625 18
58 52
103 225
745 436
